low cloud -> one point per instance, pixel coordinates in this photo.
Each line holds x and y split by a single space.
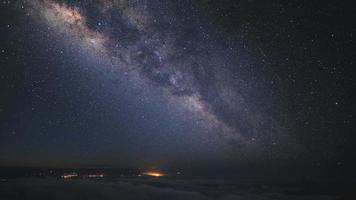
109 190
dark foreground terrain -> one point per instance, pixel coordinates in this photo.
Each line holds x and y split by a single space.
151 188
18 183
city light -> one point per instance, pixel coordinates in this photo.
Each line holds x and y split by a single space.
155 174
69 175
95 176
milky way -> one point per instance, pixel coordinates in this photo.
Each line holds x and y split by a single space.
160 50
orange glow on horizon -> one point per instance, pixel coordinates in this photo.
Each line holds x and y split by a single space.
155 174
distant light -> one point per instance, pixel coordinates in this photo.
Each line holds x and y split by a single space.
154 174
69 175
95 176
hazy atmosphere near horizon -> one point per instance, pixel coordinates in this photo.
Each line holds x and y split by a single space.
186 99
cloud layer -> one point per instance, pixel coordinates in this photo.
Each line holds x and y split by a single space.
93 190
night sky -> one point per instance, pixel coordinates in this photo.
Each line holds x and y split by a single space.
227 84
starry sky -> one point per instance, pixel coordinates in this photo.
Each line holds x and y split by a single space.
178 84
